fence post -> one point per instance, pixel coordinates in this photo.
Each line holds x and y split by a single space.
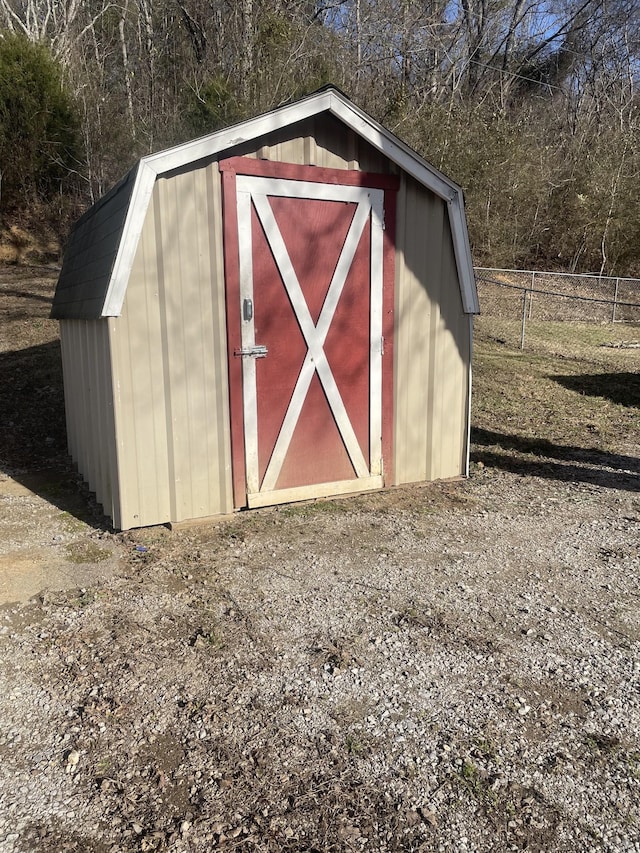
524 317
533 287
615 301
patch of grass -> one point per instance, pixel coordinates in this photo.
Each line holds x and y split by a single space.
71 523
598 743
86 552
308 509
579 339
103 765
477 784
353 745
540 396
486 748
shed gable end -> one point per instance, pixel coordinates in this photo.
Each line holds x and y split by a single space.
98 264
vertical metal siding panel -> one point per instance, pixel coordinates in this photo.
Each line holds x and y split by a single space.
83 426
85 443
310 148
93 431
154 482
331 139
292 151
91 427
87 378
109 469
413 333
170 344
456 346
105 416
153 345
175 367
196 338
424 252
196 317
402 310
139 391
198 355
72 388
437 378
447 435
322 141
99 433
369 159
431 340
353 155
124 414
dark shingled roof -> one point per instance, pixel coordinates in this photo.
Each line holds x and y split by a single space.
90 255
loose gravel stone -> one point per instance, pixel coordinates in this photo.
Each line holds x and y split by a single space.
440 669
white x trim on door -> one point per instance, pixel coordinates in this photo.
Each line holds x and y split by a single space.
369 206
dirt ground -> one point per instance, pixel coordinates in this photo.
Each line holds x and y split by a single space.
48 533
447 667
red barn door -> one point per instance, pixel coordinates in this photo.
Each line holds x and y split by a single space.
309 268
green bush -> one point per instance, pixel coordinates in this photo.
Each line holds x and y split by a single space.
39 128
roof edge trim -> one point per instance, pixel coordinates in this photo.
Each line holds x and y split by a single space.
132 230
329 100
393 148
462 252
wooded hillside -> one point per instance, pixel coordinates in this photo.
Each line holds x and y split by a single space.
531 105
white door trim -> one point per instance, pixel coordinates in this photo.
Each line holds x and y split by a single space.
252 190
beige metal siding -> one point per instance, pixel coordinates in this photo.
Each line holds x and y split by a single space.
88 394
169 347
432 343
319 141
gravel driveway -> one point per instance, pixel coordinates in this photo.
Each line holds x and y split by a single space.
451 667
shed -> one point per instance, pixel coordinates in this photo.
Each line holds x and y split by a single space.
278 311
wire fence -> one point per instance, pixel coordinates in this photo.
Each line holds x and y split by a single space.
559 313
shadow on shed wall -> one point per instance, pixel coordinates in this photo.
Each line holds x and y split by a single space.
33 436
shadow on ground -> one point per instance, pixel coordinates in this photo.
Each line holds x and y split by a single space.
620 388
541 458
33 439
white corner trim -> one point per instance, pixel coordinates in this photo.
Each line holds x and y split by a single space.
132 229
462 251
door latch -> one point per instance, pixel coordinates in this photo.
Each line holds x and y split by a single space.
258 351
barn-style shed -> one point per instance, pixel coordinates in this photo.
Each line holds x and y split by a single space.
278 311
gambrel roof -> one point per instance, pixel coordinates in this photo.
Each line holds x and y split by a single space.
103 243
